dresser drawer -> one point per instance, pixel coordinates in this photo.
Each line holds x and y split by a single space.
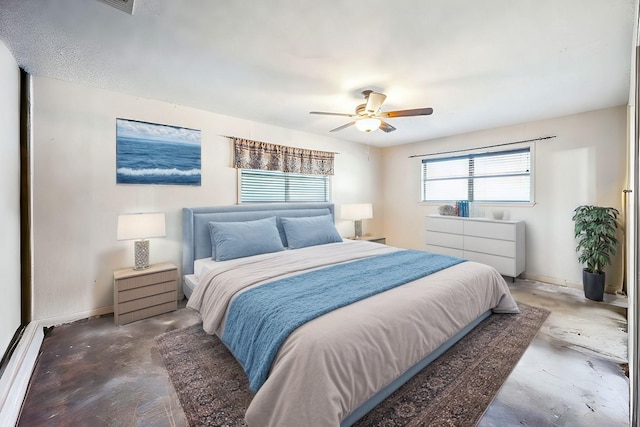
445 251
505 266
443 239
505 248
493 230
444 225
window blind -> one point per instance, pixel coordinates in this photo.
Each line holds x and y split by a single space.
503 176
262 186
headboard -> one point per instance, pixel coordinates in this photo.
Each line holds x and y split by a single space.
196 242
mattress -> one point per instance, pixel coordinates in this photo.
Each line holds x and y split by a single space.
202 266
190 283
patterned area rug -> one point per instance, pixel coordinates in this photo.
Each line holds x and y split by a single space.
454 390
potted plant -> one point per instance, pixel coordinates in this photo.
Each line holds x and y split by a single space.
595 229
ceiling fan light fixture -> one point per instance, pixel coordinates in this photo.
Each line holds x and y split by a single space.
367 125
368 116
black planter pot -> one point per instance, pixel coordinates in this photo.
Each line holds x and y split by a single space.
593 284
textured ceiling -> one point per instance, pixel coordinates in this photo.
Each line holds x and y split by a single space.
478 64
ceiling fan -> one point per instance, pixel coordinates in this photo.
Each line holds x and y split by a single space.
369 117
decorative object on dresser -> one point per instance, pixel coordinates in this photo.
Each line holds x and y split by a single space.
140 294
499 244
447 210
357 212
497 214
141 226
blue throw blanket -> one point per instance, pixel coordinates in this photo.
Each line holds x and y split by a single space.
260 319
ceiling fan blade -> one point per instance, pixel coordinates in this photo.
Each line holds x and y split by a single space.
374 102
342 127
386 127
332 114
407 113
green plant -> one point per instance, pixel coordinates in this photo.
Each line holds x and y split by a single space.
595 229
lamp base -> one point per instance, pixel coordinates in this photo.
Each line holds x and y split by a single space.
141 251
358 228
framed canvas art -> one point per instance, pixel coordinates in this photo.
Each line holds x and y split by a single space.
150 153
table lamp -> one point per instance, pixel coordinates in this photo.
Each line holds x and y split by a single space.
357 212
141 226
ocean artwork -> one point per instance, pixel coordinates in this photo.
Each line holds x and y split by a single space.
149 153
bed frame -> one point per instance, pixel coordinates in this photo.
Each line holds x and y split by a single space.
197 244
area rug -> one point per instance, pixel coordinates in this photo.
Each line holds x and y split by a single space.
454 390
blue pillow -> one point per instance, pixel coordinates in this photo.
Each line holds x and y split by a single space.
310 231
231 240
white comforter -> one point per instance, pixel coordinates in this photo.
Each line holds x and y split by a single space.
331 365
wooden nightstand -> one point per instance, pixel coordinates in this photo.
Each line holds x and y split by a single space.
374 239
138 294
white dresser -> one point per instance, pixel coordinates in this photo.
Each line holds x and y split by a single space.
499 244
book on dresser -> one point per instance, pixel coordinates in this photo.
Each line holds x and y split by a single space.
498 243
138 294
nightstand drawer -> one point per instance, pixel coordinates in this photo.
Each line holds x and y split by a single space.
138 304
147 291
147 312
146 279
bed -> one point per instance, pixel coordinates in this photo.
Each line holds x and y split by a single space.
340 364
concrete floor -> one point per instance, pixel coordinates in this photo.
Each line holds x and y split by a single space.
92 373
571 373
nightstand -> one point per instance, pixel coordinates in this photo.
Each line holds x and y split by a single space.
138 294
374 239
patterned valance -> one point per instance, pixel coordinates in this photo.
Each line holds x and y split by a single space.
249 154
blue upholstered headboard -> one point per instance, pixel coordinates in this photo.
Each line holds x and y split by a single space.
196 242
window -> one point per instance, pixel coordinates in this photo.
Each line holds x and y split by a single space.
503 176
275 186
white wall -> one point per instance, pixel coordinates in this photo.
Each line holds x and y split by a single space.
9 197
76 200
584 164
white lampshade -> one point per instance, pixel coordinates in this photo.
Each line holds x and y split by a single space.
367 125
357 211
141 226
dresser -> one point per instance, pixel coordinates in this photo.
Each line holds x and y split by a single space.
138 294
498 243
